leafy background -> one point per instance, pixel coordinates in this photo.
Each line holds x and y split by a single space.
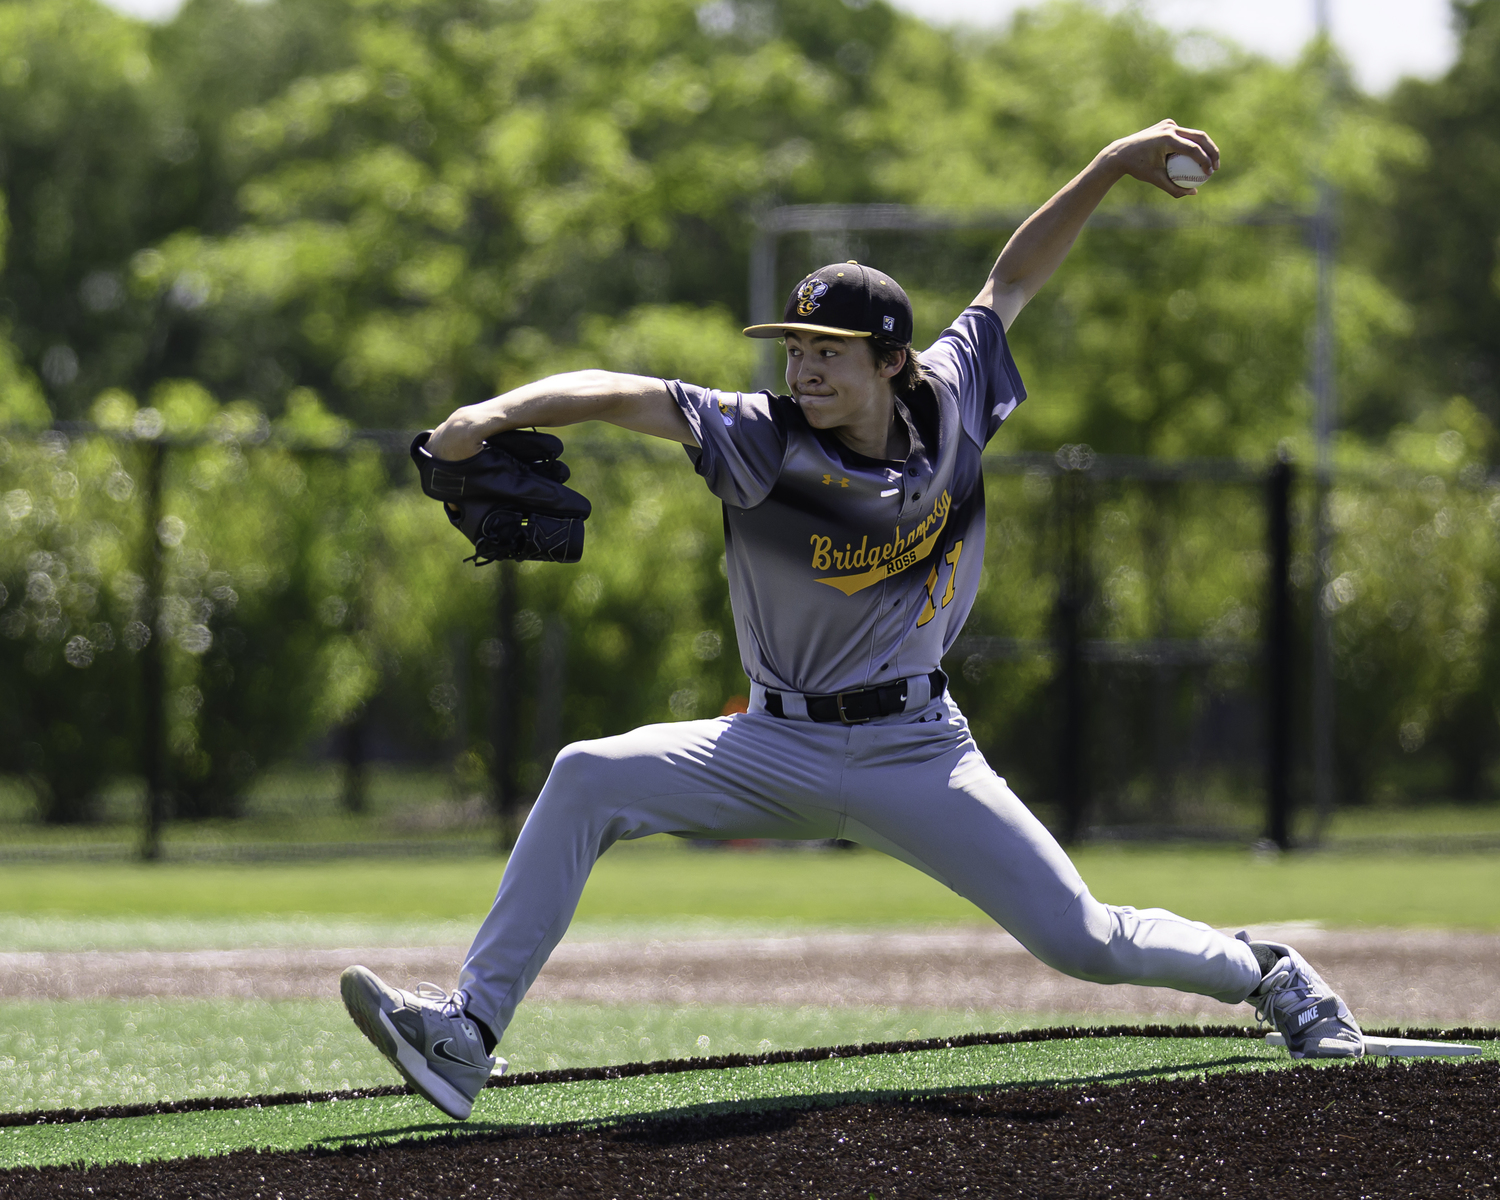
262 228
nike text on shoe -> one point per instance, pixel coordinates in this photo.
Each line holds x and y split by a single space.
425 1035
1304 1009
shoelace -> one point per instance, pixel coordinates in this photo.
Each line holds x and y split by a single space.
1283 977
450 1004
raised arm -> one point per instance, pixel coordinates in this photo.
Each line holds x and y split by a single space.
630 401
1038 248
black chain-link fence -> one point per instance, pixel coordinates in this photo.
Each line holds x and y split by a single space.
191 610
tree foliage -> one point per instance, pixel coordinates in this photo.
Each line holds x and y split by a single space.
1439 232
405 205
260 226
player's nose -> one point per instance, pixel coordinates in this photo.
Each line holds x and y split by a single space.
799 370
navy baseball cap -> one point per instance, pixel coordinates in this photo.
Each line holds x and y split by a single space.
845 300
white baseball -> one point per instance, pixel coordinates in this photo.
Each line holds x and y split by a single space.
1185 172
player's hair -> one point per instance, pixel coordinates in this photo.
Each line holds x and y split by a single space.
912 373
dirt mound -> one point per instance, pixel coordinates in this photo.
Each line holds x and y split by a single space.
1364 1130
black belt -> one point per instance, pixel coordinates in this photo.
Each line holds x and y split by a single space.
861 704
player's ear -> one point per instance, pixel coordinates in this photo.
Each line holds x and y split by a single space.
889 365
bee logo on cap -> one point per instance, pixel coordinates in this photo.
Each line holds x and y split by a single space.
888 324
808 295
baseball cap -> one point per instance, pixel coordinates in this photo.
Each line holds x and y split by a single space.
844 300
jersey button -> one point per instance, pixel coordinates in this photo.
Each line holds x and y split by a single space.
912 471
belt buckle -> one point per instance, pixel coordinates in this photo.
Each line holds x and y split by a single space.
844 718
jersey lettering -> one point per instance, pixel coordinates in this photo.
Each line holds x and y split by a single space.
928 611
951 558
883 561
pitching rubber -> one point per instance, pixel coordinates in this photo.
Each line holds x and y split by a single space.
1400 1047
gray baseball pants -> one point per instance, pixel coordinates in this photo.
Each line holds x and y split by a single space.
913 785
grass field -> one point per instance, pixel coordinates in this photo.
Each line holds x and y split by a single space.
86 1054
91 1053
662 879
382 1120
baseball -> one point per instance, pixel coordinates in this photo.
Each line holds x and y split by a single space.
1184 172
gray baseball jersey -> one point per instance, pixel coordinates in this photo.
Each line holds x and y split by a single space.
844 571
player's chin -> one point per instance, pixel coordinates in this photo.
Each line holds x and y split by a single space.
818 410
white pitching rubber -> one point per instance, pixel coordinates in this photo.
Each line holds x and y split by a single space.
1400 1047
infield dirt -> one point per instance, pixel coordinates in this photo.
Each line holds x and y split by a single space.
1424 977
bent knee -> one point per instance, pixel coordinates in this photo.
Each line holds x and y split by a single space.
578 772
578 757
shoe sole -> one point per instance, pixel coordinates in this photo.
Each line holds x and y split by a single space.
364 997
1394 1047
1334 1048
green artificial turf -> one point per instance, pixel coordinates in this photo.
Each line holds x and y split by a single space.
665 879
89 1053
389 1119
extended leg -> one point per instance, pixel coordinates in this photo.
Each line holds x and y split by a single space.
933 801
746 776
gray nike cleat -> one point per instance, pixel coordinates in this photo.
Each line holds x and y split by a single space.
1304 1009
425 1035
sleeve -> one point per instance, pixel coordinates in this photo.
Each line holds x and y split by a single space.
973 358
742 441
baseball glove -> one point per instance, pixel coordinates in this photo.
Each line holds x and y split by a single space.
509 499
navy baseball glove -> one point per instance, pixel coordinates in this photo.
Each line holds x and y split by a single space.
509 499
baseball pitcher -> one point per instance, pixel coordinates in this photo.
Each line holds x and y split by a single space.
854 529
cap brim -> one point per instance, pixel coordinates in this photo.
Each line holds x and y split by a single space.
781 327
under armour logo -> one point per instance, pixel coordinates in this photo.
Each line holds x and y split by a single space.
843 481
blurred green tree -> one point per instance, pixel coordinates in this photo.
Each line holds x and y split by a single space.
1169 342
1437 235
21 403
265 529
276 219
88 148
432 220
71 618
1415 579
479 193
114 137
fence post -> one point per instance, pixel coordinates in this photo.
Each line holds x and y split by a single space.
503 709
1279 655
1071 601
351 744
551 690
153 671
763 305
